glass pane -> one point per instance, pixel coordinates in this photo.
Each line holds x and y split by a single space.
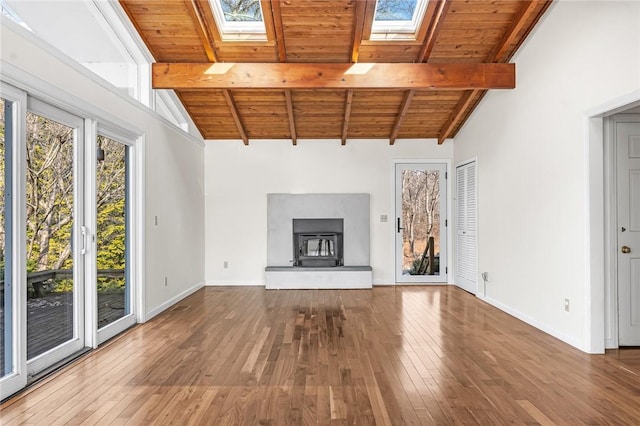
111 232
50 203
395 10
241 10
5 241
421 219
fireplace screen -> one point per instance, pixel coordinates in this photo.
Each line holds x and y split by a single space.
318 242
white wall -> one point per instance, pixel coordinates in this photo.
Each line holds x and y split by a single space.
173 161
238 179
532 162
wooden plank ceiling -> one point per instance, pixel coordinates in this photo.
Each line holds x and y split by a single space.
292 88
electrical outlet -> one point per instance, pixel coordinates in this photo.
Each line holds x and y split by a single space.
166 281
384 218
225 265
566 305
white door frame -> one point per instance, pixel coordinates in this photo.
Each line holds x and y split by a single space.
611 227
447 230
17 379
598 327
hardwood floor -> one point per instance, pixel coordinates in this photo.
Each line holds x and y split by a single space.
404 355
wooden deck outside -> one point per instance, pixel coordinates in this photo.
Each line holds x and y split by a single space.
404 355
50 319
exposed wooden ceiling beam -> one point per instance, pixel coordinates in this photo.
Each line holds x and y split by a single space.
347 116
236 116
361 8
369 14
279 30
403 111
206 15
456 115
501 48
434 28
201 27
292 123
528 7
267 17
456 76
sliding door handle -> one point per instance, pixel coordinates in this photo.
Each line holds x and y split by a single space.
83 231
399 227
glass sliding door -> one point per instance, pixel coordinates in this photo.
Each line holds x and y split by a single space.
55 235
113 278
421 223
66 231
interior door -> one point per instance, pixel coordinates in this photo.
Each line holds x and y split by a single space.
466 228
628 194
55 235
421 243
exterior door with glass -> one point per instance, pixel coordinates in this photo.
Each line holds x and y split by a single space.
420 205
56 236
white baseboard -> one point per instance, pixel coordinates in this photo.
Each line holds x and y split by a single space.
570 340
230 283
159 309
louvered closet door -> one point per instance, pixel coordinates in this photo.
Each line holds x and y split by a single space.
466 228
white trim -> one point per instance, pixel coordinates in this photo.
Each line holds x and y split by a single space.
571 340
235 283
610 239
138 198
615 106
17 379
166 305
90 299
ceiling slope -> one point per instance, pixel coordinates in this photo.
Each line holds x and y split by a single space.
319 75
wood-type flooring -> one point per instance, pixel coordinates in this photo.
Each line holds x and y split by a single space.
387 356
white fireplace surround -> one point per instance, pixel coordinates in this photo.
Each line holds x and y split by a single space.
352 208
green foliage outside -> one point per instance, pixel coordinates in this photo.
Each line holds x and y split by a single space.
50 206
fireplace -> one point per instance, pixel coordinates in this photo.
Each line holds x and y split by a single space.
318 242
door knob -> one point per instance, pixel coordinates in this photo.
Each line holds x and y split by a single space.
625 249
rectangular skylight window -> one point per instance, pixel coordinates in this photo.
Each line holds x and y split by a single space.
239 19
397 19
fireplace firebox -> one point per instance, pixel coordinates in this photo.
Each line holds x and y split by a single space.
318 242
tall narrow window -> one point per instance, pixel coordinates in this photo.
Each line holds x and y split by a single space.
112 233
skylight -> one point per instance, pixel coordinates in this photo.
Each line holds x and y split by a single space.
397 19
239 19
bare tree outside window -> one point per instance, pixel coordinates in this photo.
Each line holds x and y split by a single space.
395 10
421 219
241 10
